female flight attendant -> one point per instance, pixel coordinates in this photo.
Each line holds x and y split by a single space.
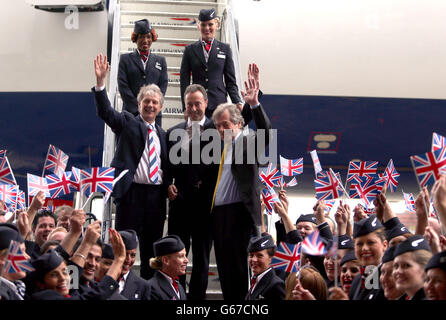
141 67
211 65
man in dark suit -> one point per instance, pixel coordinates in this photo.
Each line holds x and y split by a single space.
140 195
210 62
265 284
141 67
190 193
170 261
236 200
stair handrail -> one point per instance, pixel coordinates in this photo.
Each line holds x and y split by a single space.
230 35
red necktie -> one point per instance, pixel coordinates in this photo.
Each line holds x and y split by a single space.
253 283
175 283
144 55
207 45
362 271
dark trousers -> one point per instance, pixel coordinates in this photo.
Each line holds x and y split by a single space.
189 218
143 209
232 229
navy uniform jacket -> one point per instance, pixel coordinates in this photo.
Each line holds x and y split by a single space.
269 287
217 76
358 293
132 133
132 76
135 288
104 290
161 289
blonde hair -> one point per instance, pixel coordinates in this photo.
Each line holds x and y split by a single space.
422 257
156 263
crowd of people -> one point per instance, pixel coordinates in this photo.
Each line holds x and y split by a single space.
369 257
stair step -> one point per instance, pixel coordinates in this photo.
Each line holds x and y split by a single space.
188 32
176 6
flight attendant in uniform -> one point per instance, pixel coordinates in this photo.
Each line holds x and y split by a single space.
141 67
210 62
265 284
170 262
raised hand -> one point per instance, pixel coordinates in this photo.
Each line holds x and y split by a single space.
337 293
439 194
283 199
23 224
254 74
117 244
101 67
38 201
299 293
77 220
251 96
358 213
93 232
319 209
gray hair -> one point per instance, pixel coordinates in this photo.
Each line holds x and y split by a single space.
235 116
194 88
150 90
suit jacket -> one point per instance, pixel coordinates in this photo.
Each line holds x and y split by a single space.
131 132
358 293
160 289
246 174
269 287
135 288
102 291
132 76
217 76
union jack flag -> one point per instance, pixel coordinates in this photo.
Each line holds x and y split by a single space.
269 197
16 260
98 179
429 166
56 161
59 186
368 189
361 169
75 178
2 153
313 244
328 187
287 257
6 174
291 183
391 176
432 211
21 203
291 168
409 201
333 248
36 184
271 177
316 162
8 193
328 205
438 142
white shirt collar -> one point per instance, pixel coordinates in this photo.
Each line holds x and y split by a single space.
201 122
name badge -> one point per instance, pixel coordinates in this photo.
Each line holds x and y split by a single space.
158 66
221 56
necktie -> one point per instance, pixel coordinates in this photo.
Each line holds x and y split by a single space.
153 165
207 45
222 160
144 55
363 276
253 283
175 284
